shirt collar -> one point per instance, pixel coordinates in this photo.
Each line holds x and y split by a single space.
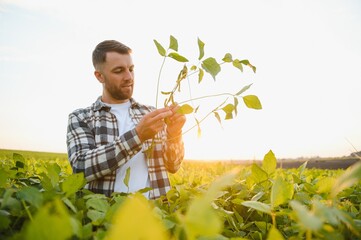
99 105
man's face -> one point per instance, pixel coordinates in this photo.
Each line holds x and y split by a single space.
117 76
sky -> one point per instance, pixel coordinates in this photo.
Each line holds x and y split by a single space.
307 54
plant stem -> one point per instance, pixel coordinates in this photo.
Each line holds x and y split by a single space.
274 219
195 125
158 82
27 210
208 96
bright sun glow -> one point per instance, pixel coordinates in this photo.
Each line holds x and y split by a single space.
307 56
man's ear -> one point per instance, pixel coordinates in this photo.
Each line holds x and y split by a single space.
99 76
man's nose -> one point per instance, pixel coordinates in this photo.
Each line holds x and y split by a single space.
128 75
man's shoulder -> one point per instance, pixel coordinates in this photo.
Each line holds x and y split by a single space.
82 111
87 111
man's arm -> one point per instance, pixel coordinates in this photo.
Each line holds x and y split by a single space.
174 147
94 161
173 154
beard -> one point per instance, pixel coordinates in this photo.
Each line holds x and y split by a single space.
119 92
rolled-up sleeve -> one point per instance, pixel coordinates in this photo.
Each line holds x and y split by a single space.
173 154
97 161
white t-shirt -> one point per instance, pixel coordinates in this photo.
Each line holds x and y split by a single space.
139 177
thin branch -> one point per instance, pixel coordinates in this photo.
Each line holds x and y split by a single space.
158 82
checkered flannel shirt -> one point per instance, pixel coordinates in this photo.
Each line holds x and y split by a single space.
96 149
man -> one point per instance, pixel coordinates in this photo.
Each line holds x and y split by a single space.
116 132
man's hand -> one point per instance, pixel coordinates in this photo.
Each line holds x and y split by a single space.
175 123
152 123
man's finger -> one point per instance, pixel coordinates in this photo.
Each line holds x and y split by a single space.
162 115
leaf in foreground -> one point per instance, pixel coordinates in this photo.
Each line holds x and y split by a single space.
351 176
274 234
51 222
135 220
307 219
201 219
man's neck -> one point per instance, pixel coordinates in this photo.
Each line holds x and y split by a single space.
111 100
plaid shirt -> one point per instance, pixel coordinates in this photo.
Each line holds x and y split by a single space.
95 148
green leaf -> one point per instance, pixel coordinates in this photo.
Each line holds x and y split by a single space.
193 68
200 75
351 176
4 222
31 195
216 114
134 219
347 220
258 174
199 130
237 64
18 157
325 184
96 217
11 203
160 48
52 221
127 178
196 110
247 63
306 218
245 88
227 58
211 66
281 192
259 206
235 105
302 168
73 183
228 108
185 109
220 183
53 174
100 205
201 49
202 220
19 160
252 101
269 163
274 234
173 43
228 116
177 57
3 178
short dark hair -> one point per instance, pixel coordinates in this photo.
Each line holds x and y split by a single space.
100 51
